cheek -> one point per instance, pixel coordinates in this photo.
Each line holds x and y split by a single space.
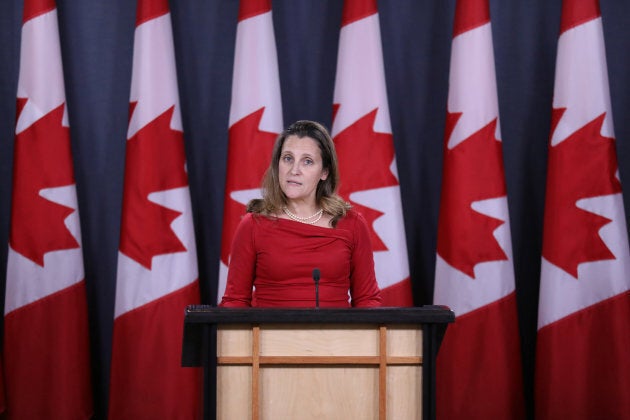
316 180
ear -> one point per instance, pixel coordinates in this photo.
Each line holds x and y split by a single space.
324 175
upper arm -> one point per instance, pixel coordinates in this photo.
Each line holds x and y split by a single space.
363 286
242 265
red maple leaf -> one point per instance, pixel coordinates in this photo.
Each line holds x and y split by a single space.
43 159
473 171
364 160
249 153
582 166
155 162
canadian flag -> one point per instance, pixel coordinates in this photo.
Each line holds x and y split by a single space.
255 118
479 366
363 138
46 343
157 260
582 363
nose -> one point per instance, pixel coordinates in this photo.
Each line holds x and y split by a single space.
295 168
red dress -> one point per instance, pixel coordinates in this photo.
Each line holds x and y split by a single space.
272 261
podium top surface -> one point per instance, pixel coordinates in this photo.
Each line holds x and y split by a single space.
206 314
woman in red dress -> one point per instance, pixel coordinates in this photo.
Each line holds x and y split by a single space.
301 224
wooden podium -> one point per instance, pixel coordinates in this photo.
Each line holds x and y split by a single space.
316 363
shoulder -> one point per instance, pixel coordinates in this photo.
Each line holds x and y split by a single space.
248 218
245 225
357 229
353 216
253 219
248 222
250 227
352 220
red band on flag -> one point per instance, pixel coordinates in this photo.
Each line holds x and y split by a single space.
251 8
398 294
150 9
34 8
354 10
603 387
47 368
470 14
576 12
145 339
479 366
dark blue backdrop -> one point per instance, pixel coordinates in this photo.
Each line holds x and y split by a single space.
97 40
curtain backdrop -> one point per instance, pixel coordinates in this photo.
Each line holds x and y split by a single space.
97 41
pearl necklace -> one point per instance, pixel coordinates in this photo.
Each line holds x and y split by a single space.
315 217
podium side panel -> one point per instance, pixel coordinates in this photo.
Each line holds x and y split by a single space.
234 396
234 340
404 388
404 382
335 393
404 341
329 340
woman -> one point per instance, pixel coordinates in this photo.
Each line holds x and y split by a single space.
301 224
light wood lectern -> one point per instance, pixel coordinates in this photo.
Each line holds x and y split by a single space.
316 363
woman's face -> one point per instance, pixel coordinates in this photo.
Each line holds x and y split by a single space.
300 169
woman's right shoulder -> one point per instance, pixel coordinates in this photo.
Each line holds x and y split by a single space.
248 217
247 227
247 223
253 218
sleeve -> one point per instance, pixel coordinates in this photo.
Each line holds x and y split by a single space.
241 271
364 291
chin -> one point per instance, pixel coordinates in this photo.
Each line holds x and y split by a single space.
291 194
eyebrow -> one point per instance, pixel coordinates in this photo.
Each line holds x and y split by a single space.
292 154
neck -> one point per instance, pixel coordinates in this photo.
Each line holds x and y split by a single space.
302 210
310 218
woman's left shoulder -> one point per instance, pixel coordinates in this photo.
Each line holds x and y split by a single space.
351 219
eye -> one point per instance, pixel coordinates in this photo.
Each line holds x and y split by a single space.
308 161
287 158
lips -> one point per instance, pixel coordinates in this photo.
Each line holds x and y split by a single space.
290 182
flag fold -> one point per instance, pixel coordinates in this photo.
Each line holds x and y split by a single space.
478 372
